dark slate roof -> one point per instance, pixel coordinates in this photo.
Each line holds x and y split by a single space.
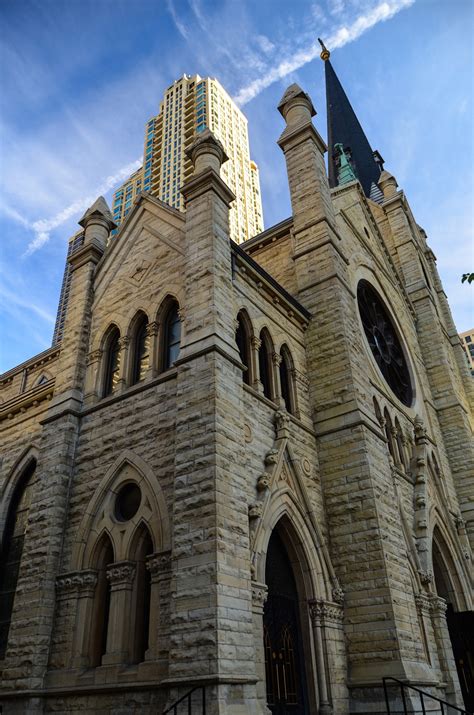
344 128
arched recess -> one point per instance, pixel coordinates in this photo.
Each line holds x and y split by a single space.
14 533
243 338
100 514
287 381
170 337
265 364
140 548
110 369
28 456
449 583
139 351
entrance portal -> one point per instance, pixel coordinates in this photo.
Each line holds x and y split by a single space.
460 627
284 661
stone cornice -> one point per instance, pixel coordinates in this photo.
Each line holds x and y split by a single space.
36 361
207 180
20 403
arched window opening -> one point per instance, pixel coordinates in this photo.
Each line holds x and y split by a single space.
142 598
105 557
112 362
286 380
389 434
400 447
242 338
12 549
265 365
141 351
171 336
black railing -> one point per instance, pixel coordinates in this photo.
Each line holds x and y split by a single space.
188 700
445 708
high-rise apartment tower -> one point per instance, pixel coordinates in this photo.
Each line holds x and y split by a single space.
190 105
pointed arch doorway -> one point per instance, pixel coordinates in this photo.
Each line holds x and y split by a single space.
287 692
460 622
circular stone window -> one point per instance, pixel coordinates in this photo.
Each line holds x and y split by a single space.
127 502
384 342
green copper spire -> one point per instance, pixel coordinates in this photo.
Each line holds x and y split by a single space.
345 172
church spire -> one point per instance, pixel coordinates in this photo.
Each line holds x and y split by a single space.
344 129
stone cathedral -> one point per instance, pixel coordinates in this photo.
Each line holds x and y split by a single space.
247 469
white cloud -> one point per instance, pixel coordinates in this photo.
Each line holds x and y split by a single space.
342 36
265 44
43 227
182 29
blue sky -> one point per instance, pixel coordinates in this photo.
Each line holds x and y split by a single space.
80 78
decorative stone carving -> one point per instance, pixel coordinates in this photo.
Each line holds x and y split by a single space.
300 377
124 342
324 612
423 603
152 329
159 563
76 583
426 577
121 574
306 466
338 594
271 457
247 433
438 606
263 482
259 594
282 422
181 314
255 511
276 359
94 356
255 342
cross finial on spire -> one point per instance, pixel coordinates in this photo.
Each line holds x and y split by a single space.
325 54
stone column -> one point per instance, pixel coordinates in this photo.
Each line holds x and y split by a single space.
152 332
94 363
121 576
321 610
259 597
256 383
159 566
85 583
276 362
124 363
445 650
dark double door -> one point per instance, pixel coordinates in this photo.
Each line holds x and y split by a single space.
284 662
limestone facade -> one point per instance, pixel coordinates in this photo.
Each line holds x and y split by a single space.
122 606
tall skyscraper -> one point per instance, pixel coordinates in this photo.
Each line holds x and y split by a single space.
190 105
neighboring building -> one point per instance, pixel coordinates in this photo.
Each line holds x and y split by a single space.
467 341
125 195
247 468
190 105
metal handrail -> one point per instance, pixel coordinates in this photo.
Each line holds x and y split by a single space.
423 694
187 696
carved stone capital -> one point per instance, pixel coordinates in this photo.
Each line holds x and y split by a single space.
152 329
255 342
438 606
259 595
121 574
94 356
123 342
159 564
181 314
76 583
423 603
300 377
324 612
276 359
271 457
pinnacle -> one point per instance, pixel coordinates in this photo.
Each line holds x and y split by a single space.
98 208
291 92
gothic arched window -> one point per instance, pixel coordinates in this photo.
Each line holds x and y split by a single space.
265 364
112 362
12 549
143 548
286 380
100 625
140 350
242 338
171 336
